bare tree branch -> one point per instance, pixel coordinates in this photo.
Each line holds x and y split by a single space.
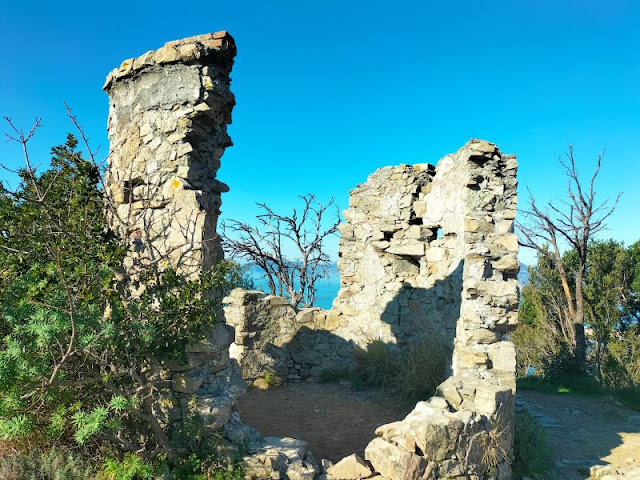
264 246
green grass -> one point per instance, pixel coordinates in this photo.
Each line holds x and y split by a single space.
585 386
411 375
55 463
532 455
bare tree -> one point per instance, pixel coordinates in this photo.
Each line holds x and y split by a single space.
264 245
572 222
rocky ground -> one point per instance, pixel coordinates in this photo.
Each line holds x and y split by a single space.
584 432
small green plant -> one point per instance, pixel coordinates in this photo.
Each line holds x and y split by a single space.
421 370
375 366
200 467
270 379
498 446
531 448
132 467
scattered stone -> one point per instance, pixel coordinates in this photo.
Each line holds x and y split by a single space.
349 468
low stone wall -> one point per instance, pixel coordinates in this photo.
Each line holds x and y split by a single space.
273 340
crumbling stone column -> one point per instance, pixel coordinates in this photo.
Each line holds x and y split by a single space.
168 116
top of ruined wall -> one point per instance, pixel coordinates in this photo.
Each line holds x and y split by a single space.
414 235
196 49
168 116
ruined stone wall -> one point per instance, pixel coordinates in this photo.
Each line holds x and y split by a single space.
427 252
466 430
168 116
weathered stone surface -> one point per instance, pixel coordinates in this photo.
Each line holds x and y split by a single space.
394 462
349 468
168 116
187 382
281 458
168 113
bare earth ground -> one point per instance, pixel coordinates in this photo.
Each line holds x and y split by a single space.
586 431
332 418
337 421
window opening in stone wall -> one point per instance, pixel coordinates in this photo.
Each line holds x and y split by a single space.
129 186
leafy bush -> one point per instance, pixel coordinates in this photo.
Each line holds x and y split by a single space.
531 448
131 467
621 366
194 467
80 360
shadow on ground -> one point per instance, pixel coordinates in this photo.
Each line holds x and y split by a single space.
585 431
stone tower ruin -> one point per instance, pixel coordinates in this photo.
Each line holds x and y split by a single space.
168 116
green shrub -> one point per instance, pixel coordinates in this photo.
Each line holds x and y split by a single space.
194 467
531 448
52 464
131 467
78 355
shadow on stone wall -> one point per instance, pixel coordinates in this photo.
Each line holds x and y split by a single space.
414 315
417 314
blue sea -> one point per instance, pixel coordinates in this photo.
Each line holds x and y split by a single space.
326 288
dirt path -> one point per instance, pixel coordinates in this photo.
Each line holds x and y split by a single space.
586 431
333 419
337 421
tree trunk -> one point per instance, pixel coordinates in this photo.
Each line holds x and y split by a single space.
580 353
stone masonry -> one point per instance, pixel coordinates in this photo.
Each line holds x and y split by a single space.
426 253
168 116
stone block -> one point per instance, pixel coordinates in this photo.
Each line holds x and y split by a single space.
478 226
394 462
408 248
508 241
349 468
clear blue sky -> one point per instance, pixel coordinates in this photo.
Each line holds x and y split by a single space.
329 91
